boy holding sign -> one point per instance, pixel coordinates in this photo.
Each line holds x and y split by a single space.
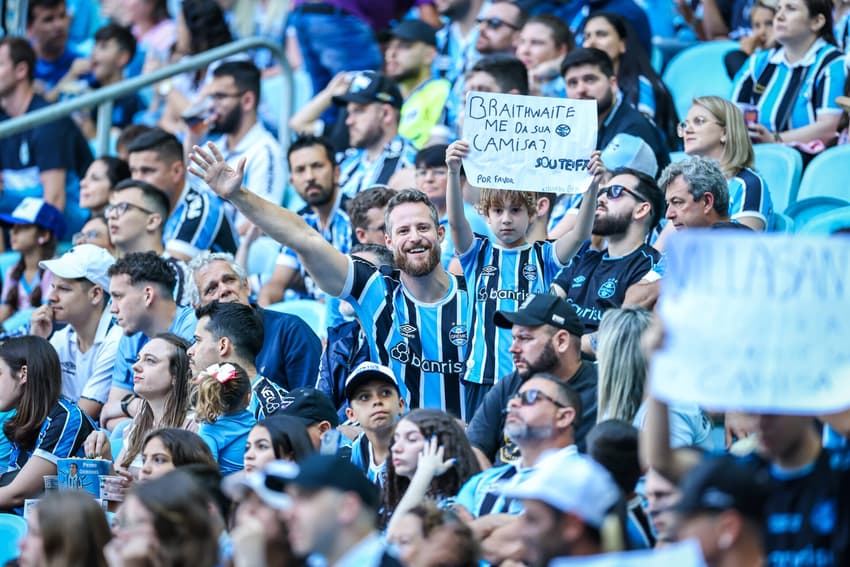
503 272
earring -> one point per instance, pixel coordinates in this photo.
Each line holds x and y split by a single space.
722 140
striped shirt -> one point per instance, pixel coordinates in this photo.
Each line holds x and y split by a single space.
357 173
61 436
363 458
749 197
500 279
791 96
198 223
424 344
267 398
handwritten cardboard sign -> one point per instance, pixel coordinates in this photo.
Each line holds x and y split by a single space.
755 322
529 143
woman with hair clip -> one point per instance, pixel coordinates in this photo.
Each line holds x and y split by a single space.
222 393
167 449
622 391
161 379
45 426
53 540
641 86
281 437
165 522
430 457
792 87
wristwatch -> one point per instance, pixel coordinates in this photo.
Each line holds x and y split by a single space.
125 403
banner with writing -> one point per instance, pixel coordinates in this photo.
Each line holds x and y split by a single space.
684 554
529 143
755 322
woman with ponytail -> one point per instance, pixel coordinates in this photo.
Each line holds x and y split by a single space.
222 394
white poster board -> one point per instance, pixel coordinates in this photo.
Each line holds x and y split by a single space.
755 322
529 143
685 554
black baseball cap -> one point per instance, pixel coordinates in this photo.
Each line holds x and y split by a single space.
317 472
723 483
412 30
369 86
542 309
311 406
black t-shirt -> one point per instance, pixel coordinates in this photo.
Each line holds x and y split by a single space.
808 512
626 119
486 430
594 282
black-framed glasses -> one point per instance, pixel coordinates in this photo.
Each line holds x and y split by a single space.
531 397
85 236
495 23
616 191
118 209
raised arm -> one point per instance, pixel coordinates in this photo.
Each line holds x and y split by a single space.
568 244
327 265
458 224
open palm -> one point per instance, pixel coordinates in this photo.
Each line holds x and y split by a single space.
209 165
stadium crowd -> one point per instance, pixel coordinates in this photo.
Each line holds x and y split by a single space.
339 350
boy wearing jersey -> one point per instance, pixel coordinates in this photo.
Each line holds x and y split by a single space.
374 401
502 272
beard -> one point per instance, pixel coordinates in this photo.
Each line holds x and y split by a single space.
610 224
405 75
604 104
323 197
417 269
545 362
367 138
519 431
227 123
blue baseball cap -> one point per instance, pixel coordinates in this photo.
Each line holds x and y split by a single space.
32 210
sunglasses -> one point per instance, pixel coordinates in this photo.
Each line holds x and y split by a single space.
532 396
495 23
616 191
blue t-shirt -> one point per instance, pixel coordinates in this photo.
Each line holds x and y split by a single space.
500 279
291 351
226 439
424 344
183 325
51 72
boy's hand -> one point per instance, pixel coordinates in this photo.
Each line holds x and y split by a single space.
597 166
455 154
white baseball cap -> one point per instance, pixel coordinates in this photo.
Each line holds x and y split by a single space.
268 483
83 261
625 150
571 483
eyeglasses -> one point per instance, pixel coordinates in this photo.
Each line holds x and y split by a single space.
699 122
379 228
218 97
532 395
495 23
437 171
84 237
119 209
616 191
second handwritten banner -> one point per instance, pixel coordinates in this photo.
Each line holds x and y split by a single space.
529 143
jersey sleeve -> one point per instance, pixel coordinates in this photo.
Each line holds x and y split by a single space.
829 85
201 219
469 259
62 434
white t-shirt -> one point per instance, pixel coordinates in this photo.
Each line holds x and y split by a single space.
89 374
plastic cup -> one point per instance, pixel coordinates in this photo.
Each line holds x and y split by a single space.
51 482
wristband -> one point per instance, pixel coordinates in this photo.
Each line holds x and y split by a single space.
125 402
777 138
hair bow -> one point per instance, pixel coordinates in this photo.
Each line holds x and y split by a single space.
221 372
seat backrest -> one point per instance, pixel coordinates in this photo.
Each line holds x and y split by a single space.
805 210
698 71
781 166
12 529
313 312
781 223
828 223
827 175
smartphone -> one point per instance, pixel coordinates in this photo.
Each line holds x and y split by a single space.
751 114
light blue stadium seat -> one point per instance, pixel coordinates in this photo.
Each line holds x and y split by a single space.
781 166
698 71
273 95
261 259
782 223
677 156
828 223
12 529
313 312
805 210
827 175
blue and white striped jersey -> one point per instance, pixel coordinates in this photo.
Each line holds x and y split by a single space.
749 197
500 279
425 344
